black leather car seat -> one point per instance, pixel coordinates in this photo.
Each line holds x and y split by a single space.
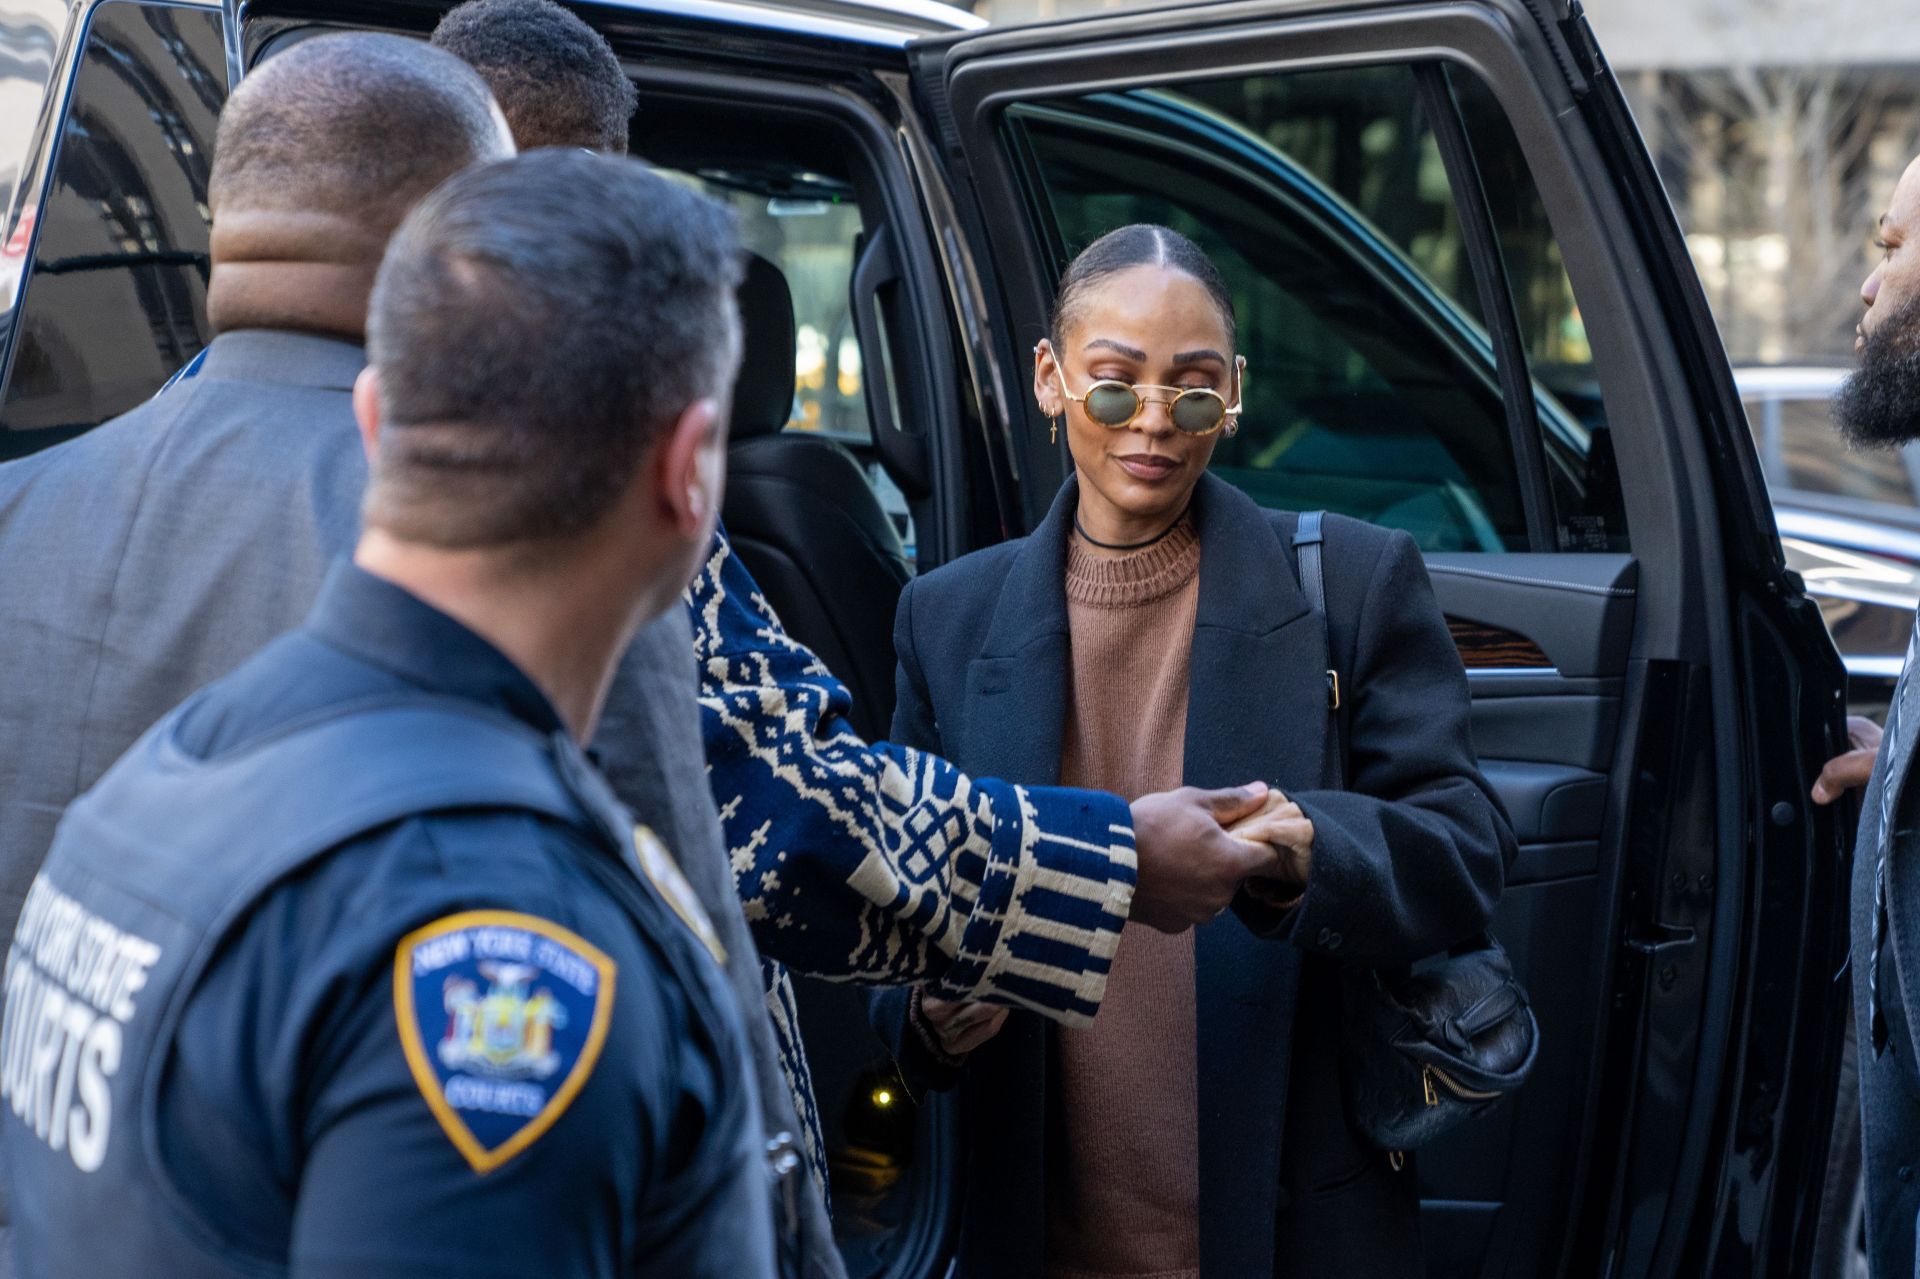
804 520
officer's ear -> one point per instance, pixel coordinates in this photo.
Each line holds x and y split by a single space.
690 469
366 409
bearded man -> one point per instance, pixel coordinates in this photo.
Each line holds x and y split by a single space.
1879 408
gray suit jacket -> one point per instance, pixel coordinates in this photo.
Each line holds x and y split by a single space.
151 556
1890 1080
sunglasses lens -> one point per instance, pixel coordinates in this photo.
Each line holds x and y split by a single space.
1111 404
1197 412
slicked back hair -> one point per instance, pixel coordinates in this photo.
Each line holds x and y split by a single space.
556 79
1141 244
537 323
355 123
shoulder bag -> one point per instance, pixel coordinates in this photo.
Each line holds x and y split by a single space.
1427 1049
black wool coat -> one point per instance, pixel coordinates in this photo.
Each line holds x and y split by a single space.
1408 860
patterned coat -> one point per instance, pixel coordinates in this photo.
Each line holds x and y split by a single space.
882 865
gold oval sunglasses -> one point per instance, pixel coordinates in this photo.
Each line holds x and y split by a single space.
1194 410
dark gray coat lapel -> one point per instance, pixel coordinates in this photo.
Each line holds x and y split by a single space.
1016 689
1257 709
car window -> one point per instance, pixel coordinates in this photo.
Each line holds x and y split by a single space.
813 232
1798 445
115 301
1372 388
812 237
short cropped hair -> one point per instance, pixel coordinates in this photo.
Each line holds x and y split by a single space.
556 79
355 123
537 323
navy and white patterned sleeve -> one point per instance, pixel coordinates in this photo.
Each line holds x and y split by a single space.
879 864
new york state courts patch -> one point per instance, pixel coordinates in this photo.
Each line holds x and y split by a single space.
502 1017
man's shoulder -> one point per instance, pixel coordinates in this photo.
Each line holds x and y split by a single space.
427 874
110 456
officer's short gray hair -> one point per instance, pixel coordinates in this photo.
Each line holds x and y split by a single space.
537 323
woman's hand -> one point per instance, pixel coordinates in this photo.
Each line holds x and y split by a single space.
1281 825
958 1027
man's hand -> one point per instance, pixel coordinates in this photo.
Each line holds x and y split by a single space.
1190 868
1281 823
960 1027
1844 772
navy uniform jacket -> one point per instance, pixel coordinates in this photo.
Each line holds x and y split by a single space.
369 1078
854 861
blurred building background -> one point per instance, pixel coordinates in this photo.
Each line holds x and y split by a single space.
1780 128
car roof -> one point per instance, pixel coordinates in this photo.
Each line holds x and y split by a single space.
1789 381
890 22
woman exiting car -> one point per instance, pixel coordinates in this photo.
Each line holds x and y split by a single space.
1154 632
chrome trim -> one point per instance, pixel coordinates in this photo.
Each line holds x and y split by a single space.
35 176
233 16
1511 672
1837 530
929 17
35 173
1875 667
798 21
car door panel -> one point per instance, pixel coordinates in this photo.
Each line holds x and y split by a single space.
1577 610
1545 640
1548 803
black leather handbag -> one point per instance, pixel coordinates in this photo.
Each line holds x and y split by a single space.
1427 1049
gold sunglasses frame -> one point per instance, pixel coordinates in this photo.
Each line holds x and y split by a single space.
1229 417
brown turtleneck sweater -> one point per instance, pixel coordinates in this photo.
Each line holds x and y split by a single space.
1126 1198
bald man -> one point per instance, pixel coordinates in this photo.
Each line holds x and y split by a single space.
150 556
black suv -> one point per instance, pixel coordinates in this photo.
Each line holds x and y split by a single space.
1467 313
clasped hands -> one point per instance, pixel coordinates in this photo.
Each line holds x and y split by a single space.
1196 850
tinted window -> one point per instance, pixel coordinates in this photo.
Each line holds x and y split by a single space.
116 298
1373 389
812 230
811 235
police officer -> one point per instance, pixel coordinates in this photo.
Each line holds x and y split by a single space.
352 966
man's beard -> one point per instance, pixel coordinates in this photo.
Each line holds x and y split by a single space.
1879 406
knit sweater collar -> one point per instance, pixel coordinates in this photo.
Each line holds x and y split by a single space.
1136 578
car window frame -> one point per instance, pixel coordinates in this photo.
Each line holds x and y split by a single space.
1497 354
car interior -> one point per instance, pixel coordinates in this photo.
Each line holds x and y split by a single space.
1419 355
807 491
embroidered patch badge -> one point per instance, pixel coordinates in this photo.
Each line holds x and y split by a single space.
664 874
502 1017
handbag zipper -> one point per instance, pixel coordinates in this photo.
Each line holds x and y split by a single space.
1429 1073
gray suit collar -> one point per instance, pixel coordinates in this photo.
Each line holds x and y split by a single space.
286 358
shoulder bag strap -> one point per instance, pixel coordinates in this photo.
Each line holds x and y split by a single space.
1308 537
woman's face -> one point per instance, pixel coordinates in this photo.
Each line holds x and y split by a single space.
1145 325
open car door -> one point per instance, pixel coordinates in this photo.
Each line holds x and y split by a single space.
1468 313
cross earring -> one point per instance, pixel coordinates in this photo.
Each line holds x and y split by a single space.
1053 430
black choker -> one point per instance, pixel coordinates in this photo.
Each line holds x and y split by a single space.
1091 540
